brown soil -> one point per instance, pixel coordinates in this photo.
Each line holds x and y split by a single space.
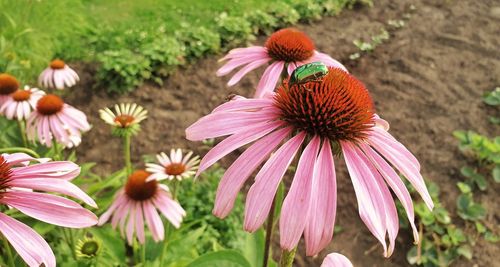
427 81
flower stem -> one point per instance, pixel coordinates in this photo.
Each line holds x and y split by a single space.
287 257
126 154
57 151
143 254
175 186
269 233
22 129
19 149
10 256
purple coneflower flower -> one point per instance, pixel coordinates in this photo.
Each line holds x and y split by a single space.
18 105
18 179
287 49
137 203
58 75
327 116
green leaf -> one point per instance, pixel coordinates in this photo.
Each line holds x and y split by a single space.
464 188
466 251
253 249
496 173
490 237
480 227
223 258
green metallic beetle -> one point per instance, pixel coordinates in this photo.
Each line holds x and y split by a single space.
308 72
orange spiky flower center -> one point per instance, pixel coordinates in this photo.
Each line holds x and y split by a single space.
138 189
49 104
337 107
8 84
175 169
124 120
21 95
289 45
57 64
5 174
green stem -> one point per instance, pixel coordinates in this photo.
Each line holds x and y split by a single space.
57 151
126 154
175 186
143 254
269 233
68 234
10 256
22 129
287 257
19 149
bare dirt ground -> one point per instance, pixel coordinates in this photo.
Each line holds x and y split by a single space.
427 81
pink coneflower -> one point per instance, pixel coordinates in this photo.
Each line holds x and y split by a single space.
287 49
326 116
58 75
336 260
8 85
20 103
174 167
17 180
53 119
138 202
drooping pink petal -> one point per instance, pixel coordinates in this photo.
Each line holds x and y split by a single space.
54 185
29 244
131 223
269 79
153 221
379 122
402 159
49 208
298 199
139 223
57 169
327 60
119 200
226 123
238 62
321 219
261 194
370 202
169 208
336 260
397 186
245 52
236 141
244 104
235 176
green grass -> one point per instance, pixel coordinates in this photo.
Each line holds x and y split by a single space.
34 32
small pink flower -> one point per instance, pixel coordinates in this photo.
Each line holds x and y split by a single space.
328 116
174 167
20 103
8 85
287 49
17 180
138 202
336 260
53 119
58 75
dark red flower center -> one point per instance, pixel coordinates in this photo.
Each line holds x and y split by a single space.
289 45
124 120
49 104
57 64
5 174
175 169
337 107
138 189
8 84
21 95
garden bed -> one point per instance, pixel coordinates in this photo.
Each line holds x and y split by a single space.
427 80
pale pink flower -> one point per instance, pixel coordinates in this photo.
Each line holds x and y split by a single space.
287 49
336 260
17 180
137 203
8 85
58 75
19 104
327 116
55 121
174 167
